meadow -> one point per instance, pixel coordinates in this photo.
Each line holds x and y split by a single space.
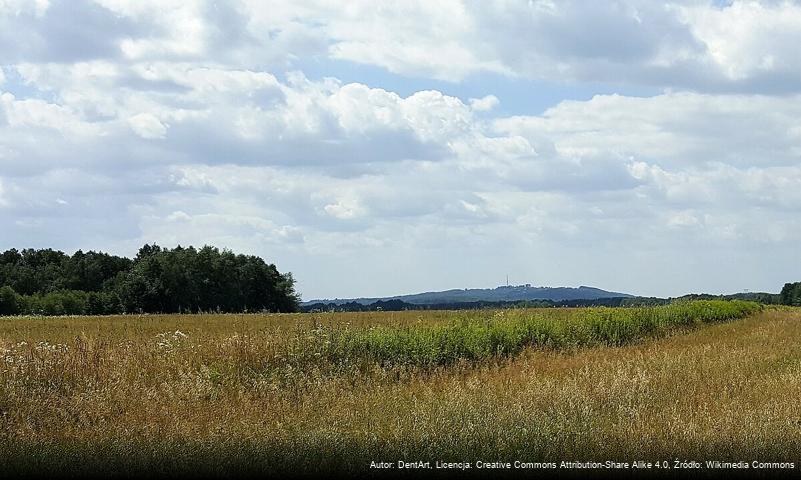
232 394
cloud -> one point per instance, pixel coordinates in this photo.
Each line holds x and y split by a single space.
749 41
3 201
742 46
745 46
484 104
147 126
195 122
61 31
674 128
247 137
239 116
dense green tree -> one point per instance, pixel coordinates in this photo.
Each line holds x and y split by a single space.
791 294
190 280
103 303
9 301
91 271
183 279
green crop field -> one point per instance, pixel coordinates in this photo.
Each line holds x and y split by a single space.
232 394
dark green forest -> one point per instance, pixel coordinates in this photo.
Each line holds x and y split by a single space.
791 294
157 280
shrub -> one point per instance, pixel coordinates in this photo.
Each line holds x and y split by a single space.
9 301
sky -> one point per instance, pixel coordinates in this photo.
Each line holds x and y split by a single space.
379 148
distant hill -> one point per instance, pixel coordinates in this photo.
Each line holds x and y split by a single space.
513 293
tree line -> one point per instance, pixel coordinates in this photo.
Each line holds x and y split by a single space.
791 295
157 280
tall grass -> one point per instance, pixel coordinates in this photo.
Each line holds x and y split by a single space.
505 333
182 395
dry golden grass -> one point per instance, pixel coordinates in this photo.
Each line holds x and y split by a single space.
206 394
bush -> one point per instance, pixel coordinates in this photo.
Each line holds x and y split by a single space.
103 303
64 302
9 301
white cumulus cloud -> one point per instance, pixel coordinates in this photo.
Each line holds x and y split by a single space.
147 126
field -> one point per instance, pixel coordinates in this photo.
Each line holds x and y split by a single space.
228 394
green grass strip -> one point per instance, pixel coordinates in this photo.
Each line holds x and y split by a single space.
505 333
